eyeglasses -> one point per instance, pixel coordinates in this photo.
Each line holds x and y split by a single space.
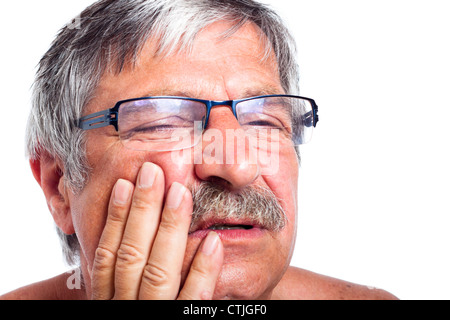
175 123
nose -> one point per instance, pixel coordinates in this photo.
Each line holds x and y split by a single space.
227 155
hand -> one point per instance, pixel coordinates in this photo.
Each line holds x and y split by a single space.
142 248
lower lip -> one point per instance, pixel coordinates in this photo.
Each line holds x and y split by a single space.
231 234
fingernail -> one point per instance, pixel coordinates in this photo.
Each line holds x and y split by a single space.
122 192
147 176
175 195
211 243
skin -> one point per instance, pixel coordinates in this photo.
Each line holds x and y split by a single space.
134 235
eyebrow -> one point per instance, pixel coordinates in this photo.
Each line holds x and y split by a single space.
248 93
169 93
264 91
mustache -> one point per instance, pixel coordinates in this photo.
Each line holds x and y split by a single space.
253 203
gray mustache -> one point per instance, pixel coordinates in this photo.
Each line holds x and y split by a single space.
255 203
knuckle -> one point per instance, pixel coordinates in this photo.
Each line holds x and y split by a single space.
155 276
117 214
141 204
200 271
103 259
129 255
168 226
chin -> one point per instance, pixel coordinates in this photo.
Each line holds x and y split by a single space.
240 283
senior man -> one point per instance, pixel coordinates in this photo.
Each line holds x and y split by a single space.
164 136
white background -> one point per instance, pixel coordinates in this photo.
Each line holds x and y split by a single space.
375 180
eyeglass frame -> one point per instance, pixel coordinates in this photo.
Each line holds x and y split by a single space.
111 116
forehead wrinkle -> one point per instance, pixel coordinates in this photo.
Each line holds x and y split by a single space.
211 89
213 86
262 50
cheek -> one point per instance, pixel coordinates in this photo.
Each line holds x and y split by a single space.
90 207
284 184
284 181
177 167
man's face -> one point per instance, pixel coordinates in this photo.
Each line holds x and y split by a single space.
217 70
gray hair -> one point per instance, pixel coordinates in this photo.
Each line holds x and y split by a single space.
109 36
258 204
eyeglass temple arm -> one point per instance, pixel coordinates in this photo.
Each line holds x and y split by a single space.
314 114
99 120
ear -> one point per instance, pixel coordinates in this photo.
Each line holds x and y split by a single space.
49 174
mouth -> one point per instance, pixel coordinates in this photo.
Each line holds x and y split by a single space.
230 227
227 229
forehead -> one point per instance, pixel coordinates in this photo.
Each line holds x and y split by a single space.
214 66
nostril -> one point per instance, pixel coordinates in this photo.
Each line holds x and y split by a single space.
220 182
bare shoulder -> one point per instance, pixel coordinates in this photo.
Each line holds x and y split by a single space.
51 289
299 284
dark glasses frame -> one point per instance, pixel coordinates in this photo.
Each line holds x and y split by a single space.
111 116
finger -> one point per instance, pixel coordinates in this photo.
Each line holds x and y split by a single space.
142 224
201 280
162 274
102 273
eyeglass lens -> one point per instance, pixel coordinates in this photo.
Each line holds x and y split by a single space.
167 124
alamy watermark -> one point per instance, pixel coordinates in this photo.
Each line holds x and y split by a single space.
75 279
229 147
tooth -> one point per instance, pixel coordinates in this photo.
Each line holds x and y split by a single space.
225 227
